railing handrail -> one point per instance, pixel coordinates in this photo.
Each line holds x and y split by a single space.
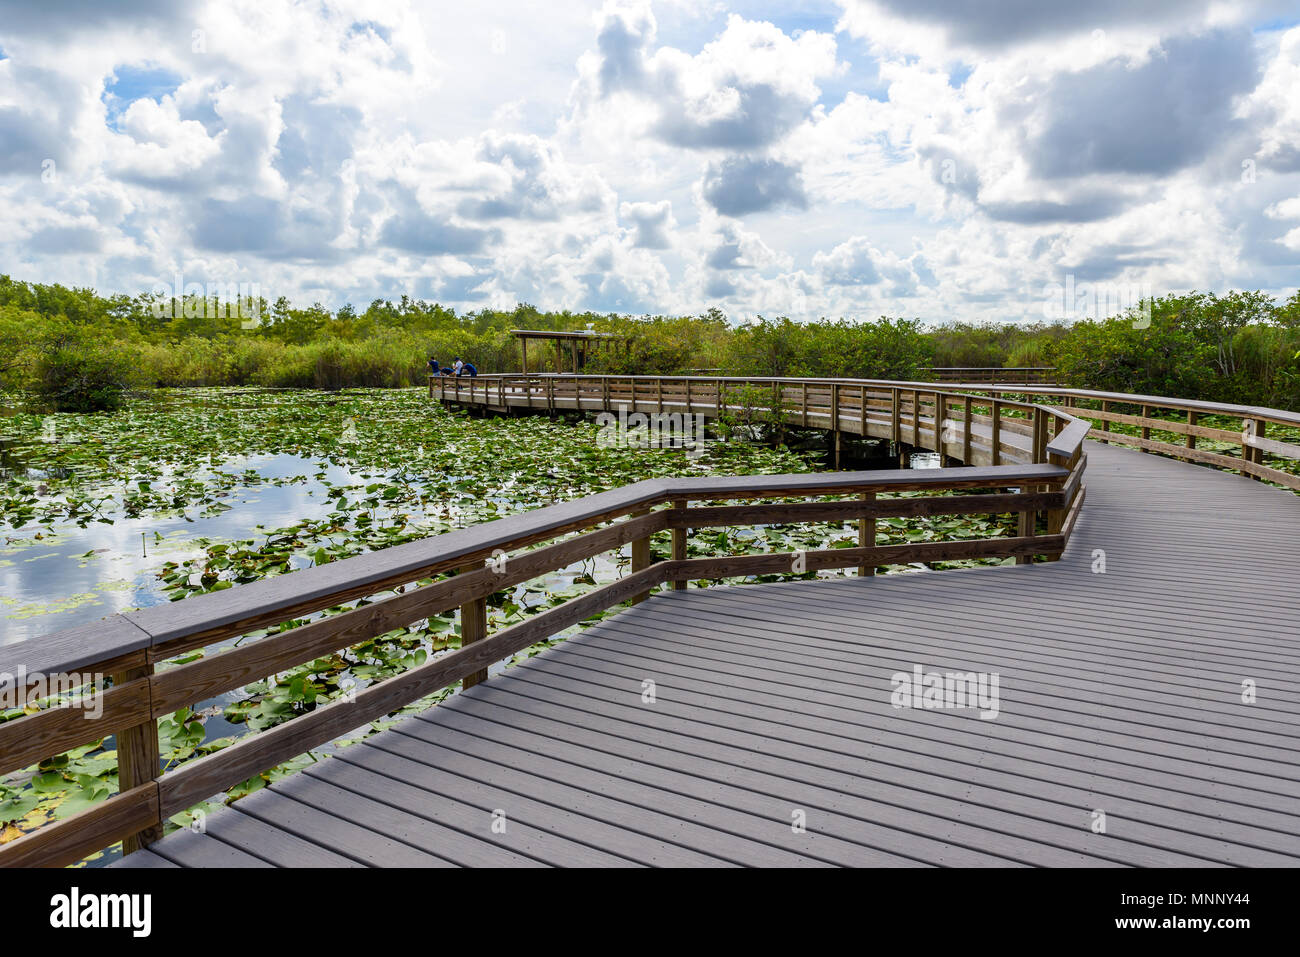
1281 416
928 387
1252 442
72 650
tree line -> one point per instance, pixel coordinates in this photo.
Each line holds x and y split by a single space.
73 349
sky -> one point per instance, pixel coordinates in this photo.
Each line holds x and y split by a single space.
845 158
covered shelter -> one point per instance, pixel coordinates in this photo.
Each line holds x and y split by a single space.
577 341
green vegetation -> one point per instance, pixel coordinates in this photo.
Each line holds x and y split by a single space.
73 349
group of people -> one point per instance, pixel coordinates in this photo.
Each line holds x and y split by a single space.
457 368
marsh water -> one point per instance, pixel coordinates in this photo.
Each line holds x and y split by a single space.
50 580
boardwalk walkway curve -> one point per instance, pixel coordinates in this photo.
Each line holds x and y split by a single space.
1148 712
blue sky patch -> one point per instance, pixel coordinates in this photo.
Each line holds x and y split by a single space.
131 83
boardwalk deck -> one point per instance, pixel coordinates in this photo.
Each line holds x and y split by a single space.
1121 693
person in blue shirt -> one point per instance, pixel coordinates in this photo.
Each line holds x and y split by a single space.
469 369
434 368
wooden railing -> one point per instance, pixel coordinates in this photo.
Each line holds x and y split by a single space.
127 658
1000 431
882 409
1250 446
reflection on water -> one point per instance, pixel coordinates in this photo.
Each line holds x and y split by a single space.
50 581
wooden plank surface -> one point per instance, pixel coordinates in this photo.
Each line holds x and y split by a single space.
1120 692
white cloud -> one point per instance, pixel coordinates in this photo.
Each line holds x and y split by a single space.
918 160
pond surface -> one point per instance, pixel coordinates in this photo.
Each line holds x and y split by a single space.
51 580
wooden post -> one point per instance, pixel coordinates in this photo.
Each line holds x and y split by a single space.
1189 440
1105 425
965 439
916 419
1029 520
1256 453
895 425
688 396
1025 529
1146 431
867 535
523 348
679 545
862 411
137 761
473 627
938 427
640 556
803 403
996 451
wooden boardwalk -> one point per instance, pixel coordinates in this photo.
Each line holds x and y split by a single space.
1120 694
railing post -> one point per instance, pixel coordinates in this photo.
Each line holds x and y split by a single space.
836 439
1257 453
1189 441
473 627
940 414
679 544
1146 430
1056 516
137 761
640 556
1027 526
896 415
867 535
996 450
966 428
1105 425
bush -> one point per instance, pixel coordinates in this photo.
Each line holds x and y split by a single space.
78 376
1114 355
